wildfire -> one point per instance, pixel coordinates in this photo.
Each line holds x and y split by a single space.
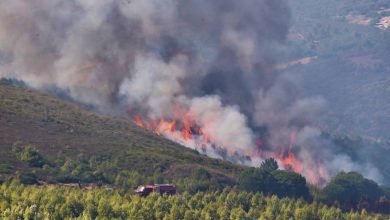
290 161
315 174
185 130
138 120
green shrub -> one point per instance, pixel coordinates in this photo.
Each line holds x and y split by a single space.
27 178
29 154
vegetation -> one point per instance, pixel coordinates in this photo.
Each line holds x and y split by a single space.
347 191
54 141
350 63
271 181
328 30
349 69
54 202
29 154
353 191
47 141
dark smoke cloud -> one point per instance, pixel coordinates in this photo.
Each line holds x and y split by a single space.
213 57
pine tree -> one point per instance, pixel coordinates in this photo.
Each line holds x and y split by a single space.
238 214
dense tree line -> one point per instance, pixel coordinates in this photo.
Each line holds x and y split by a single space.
59 202
347 191
269 180
352 191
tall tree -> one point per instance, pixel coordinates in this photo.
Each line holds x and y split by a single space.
269 165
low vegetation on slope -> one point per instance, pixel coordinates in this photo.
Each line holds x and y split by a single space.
55 141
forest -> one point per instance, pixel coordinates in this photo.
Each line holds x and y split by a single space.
59 202
265 192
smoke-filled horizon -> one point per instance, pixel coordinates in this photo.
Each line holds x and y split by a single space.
210 63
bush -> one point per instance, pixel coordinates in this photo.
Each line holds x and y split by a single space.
27 178
201 174
30 155
68 179
6 168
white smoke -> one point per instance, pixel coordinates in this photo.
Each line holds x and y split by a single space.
226 125
214 58
155 84
345 163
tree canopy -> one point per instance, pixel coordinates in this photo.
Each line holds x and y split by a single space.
60 202
350 189
269 180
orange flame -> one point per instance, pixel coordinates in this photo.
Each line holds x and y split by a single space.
138 120
290 161
184 129
187 133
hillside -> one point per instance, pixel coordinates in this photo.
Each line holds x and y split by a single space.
351 69
338 51
79 145
46 140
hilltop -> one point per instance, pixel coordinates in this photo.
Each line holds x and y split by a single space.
72 144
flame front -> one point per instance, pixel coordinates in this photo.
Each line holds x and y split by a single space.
185 130
290 161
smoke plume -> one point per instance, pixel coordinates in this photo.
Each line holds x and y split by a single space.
208 63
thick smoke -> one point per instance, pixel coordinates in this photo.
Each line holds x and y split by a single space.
213 58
